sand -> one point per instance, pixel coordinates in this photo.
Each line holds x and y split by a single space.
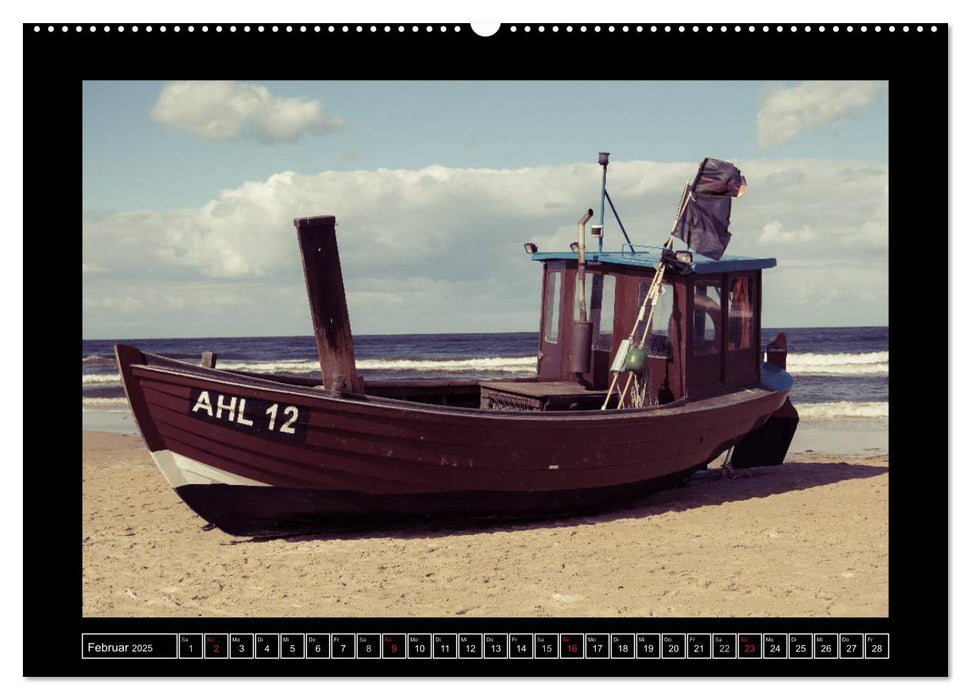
808 538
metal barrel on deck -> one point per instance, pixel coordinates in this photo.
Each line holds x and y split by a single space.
328 306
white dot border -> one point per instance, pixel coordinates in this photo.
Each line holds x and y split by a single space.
518 29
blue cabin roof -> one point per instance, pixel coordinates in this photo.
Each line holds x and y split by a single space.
647 256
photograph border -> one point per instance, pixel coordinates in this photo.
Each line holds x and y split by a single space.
915 63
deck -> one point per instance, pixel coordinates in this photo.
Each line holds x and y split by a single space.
539 396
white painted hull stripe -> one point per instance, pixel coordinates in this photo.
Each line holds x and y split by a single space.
180 470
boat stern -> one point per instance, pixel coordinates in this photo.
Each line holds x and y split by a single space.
769 443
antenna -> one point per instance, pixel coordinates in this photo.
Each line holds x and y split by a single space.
603 159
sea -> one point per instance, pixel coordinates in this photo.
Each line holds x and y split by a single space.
840 375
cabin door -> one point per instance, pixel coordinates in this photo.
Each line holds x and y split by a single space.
704 374
600 295
551 340
741 334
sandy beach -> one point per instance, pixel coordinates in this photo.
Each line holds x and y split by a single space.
808 538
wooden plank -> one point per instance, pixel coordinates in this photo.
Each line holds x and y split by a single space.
541 389
328 306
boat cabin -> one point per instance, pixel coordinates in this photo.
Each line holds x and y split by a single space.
703 338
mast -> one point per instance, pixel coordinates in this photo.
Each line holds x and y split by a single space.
328 306
603 158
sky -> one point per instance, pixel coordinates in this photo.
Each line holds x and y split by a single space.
190 190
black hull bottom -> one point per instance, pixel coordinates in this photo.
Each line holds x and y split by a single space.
272 511
770 443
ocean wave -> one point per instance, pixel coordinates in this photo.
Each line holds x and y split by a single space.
508 364
514 365
821 364
271 367
838 363
88 379
844 409
98 361
472 364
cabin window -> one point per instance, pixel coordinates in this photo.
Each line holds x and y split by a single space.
552 306
741 326
599 296
707 319
658 342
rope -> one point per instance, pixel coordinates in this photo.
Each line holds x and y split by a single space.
652 295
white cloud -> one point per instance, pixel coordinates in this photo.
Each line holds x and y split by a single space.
774 232
784 113
873 233
223 110
439 249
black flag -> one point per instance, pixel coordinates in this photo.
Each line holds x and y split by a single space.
704 224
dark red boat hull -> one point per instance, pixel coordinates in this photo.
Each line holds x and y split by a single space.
257 511
357 460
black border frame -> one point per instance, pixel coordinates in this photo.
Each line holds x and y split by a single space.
914 62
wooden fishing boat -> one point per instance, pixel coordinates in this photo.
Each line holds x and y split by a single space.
270 454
